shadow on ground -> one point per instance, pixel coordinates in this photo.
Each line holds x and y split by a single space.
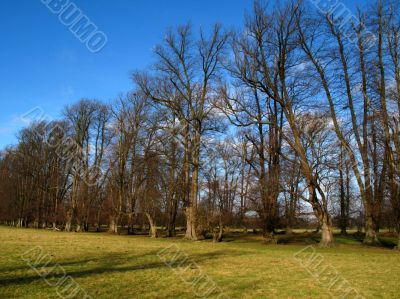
110 263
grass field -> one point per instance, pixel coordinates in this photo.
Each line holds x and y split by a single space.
108 266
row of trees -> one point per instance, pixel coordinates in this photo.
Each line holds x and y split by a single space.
295 116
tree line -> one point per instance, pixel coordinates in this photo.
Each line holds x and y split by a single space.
292 119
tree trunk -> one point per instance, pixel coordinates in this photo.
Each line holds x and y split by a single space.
268 231
19 222
113 226
371 237
191 209
190 224
68 224
218 234
153 226
78 227
172 211
97 224
322 213
269 237
343 216
326 232
130 223
291 210
171 231
172 194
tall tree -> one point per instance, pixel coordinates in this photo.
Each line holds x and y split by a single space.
186 72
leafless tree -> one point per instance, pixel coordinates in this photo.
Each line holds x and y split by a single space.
186 72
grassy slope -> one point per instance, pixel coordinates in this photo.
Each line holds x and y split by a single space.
109 266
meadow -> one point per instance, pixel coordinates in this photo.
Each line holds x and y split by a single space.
112 266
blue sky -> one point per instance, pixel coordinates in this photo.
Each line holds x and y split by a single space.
43 64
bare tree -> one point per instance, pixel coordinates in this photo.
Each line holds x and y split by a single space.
269 61
186 72
130 117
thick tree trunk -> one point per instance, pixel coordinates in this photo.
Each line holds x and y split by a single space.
117 213
113 226
171 231
172 211
324 219
191 209
172 192
79 227
326 232
172 217
20 222
190 224
188 192
371 236
68 225
268 231
153 226
269 237
218 234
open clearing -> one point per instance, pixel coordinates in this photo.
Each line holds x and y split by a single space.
108 266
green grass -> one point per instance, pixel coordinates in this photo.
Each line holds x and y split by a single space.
108 266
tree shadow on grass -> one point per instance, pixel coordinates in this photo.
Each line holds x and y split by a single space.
52 264
348 239
385 242
302 239
110 263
